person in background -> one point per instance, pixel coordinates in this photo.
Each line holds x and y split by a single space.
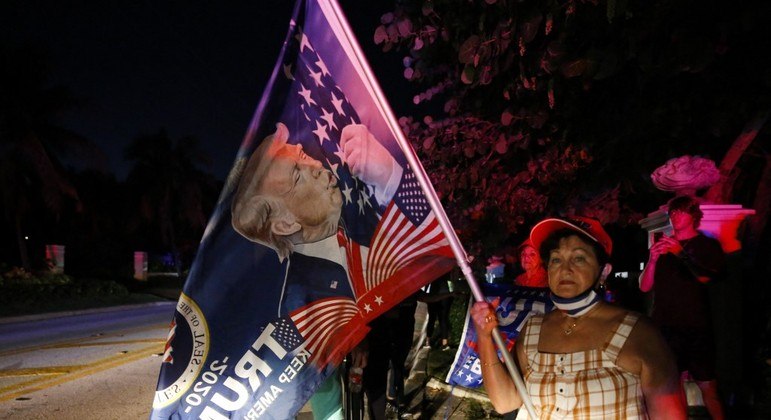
678 270
439 302
588 359
530 261
389 342
327 401
495 269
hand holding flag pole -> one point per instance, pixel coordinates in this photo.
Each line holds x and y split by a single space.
433 200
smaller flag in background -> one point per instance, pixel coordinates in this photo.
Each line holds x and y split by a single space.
517 304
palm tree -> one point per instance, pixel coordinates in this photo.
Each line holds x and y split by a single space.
31 143
171 191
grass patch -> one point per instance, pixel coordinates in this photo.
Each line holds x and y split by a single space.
439 362
476 410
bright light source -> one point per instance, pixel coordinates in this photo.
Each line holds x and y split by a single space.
26 238
642 266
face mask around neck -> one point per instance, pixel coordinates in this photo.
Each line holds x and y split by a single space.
576 306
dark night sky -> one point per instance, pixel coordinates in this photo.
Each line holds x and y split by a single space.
194 67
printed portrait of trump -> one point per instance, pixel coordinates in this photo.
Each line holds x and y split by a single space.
286 198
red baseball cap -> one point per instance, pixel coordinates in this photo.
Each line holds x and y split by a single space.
526 243
586 225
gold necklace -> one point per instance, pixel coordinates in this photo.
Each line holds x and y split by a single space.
569 330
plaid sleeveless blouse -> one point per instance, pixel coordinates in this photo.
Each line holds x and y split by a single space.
582 385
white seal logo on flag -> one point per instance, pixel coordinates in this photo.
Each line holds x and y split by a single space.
187 347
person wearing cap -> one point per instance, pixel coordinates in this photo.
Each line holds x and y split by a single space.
678 271
530 261
588 359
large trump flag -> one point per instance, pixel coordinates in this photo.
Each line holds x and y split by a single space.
321 227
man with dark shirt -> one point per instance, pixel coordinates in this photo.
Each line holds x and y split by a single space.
678 270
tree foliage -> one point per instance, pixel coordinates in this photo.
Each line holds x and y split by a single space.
174 196
54 187
536 107
33 147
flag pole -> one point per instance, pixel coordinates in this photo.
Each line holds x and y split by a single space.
433 200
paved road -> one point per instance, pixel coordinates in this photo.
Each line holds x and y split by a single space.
104 365
91 365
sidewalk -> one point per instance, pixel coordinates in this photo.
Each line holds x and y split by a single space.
431 397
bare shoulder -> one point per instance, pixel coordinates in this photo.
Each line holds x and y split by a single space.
610 317
645 333
644 345
614 313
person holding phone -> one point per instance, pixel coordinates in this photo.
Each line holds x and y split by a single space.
678 270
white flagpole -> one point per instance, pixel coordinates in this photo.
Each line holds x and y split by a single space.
433 200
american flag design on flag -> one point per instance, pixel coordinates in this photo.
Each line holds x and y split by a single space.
279 320
318 322
168 357
380 238
409 229
286 334
324 110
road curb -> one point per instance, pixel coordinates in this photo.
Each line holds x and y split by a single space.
64 314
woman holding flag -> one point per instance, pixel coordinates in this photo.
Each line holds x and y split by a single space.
588 359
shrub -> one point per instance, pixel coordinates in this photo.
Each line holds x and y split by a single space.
18 275
23 293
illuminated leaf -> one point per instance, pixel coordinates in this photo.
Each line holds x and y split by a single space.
506 118
404 26
380 35
501 146
431 32
469 151
468 50
393 33
486 76
469 72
